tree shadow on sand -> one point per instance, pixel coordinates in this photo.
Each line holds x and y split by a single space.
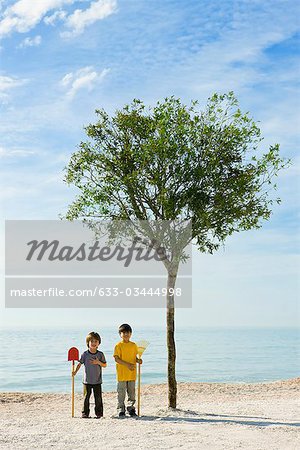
194 417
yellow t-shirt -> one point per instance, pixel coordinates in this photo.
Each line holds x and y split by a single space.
127 351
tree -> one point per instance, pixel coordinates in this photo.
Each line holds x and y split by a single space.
173 162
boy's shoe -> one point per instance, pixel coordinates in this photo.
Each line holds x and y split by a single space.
99 417
84 416
121 414
132 413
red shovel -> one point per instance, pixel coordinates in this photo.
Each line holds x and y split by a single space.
73 355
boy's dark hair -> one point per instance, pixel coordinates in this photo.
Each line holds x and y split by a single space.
92 335
125 327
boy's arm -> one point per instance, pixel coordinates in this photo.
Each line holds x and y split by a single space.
138 360
123 363
76 370
98 362
103 360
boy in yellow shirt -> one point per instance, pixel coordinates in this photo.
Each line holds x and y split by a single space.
125 354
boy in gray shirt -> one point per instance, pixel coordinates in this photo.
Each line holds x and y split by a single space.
93 361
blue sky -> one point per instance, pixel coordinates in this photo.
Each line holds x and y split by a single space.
62 59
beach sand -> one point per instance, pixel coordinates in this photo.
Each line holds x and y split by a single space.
262 416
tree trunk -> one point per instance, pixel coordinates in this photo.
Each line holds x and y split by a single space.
172 384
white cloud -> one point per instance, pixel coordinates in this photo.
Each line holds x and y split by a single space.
80 19
58 15
85 78
12 153
31 42
8 83
231 65
67 79
24 15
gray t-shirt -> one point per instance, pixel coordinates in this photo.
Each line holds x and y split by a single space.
92 372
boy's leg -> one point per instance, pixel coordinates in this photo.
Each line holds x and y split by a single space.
86 402
121 389
131 396
97 388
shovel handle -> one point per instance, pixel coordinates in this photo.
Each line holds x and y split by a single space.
139 389
73 389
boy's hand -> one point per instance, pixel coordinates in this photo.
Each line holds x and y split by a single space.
74 373
131 366
95 361
139 360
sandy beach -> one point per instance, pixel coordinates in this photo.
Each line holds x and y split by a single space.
209 416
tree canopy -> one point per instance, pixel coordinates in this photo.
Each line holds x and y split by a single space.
172 161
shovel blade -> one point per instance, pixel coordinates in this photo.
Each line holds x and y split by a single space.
73 354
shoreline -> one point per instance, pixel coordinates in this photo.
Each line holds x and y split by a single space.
208 416
179 383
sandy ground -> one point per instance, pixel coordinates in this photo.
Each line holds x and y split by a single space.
261 416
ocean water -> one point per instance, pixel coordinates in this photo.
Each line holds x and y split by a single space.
35 360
